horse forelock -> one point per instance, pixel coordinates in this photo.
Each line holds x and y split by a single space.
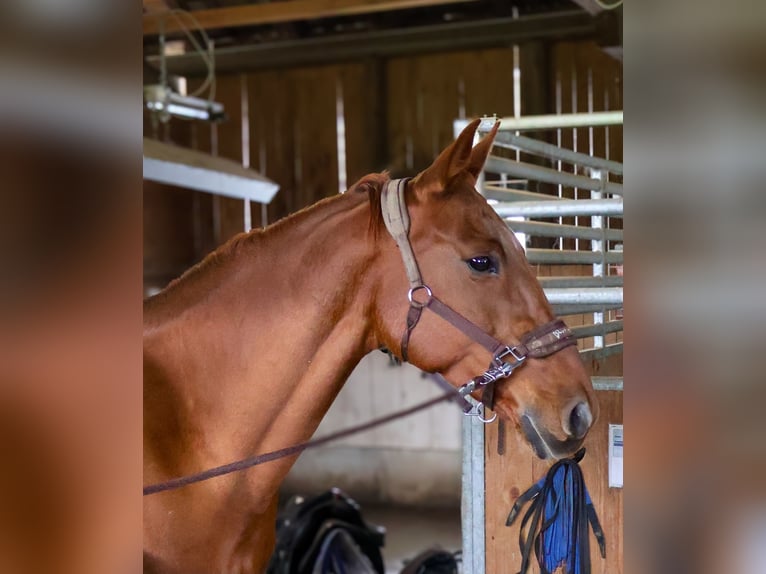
372 184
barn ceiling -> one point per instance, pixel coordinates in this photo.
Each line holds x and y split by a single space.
252 35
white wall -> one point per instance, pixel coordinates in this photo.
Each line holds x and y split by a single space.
414 461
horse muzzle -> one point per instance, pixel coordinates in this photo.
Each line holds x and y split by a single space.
545 444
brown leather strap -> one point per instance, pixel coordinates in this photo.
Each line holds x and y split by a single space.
413 316
547 339
471 330
397 220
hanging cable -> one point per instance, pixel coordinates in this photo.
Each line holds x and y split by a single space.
207 53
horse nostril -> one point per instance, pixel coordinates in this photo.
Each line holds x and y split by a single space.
580 420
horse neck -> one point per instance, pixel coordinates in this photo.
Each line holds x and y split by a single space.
272 330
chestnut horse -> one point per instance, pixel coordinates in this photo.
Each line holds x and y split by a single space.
246 351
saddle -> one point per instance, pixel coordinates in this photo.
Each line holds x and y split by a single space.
326 535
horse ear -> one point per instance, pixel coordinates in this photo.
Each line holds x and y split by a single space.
481 151
454 159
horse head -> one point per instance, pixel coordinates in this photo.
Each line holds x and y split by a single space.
471 261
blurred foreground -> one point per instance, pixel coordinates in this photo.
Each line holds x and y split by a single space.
70 286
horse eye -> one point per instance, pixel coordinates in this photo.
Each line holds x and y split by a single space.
482 264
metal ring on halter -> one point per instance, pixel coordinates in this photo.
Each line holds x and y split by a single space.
411 293
480 414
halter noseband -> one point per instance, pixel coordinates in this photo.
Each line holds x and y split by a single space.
540 342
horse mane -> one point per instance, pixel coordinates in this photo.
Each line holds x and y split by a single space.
372 184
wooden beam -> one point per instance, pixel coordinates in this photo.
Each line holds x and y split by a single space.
155 6
254 14
570 25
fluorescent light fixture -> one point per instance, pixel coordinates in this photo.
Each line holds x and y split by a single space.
164 101
187 112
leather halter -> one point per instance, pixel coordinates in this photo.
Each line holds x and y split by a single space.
537 343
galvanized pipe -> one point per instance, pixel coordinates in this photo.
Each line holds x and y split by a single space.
542 229
510 140
586 296
601 352
547 175
499 193
598 329
582 309
580 282
472 499
568 257
607 383
563 208
554 121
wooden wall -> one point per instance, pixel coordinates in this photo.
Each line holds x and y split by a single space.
398 115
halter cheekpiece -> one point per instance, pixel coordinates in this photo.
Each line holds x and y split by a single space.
537 343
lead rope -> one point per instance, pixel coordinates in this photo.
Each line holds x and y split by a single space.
249 462
556 523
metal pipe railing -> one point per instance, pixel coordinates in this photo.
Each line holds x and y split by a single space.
607 383
585 296
597 329
510 140
499 193
569 257
547 175
563 208
547 122
542 229
580 282
601 352
582 309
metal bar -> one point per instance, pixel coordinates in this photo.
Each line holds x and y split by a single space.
607 383
598 329
601 352
535 172
499 193
542 229
512 141
569 257
586 296
599 269
554 121
393 42
580 282
191 169
579 309
563 208
472 499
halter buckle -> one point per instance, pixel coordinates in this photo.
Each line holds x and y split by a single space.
513 351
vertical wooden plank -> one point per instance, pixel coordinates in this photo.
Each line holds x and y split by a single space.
488 79
272 106
315 132
229 143
400 114
365 115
